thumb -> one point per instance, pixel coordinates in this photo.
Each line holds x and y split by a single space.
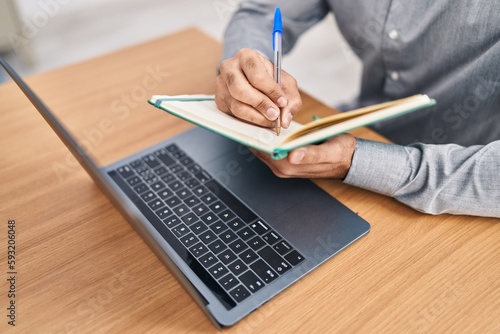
313 154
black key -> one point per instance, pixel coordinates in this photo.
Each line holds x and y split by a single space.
198 227
198 250
140 188
194 168
171 221
148 175
183 175
173 201
200 191
148 196
134 180
226 215
259 227
189 240
178 154
208 260
217 207
228 236
228 282
208 236
217 246
151 161
218 227
237 267
157 186
186 161
251 281
271 237
236 224
141 168
231 201
180 230
156 204
165 193
256 243
227 256
176 168
192 183
209 218
183 193
160 171
181 210
136 164
202 176
207 198
163 213
263 271
294 258
274 260
175 185
125 171
238 246
282 247
192 201
164 157
172 148
167 178
189 218
246 233
218 270
239 293
200 209
248 256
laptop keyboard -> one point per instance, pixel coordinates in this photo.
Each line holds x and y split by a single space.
236 249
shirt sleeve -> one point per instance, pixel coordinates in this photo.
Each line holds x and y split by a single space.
252 24
433 179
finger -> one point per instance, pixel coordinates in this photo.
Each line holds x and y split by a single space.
242 90
221 95
247 113
259 72
294 100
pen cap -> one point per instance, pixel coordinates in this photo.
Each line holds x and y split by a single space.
277 22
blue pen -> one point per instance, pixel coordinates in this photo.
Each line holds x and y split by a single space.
277 32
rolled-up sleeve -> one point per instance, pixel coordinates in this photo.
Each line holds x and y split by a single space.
431 178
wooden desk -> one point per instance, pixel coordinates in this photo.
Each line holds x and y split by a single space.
82 269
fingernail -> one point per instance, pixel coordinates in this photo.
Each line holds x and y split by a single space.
298 156
288 119
272 114
281 102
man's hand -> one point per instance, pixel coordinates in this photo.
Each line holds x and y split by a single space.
246 89
331 159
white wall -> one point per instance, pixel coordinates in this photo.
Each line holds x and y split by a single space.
63 32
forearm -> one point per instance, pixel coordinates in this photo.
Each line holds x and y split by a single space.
431 178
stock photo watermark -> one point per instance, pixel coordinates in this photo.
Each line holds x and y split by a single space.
90 308
225 8
120 109
31 26
12 274
428 315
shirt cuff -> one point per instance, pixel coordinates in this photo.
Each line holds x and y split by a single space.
377 167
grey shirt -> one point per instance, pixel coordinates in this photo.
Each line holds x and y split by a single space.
449 50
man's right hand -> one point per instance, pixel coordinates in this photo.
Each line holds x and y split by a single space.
246 89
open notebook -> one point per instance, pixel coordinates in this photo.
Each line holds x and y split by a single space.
201 110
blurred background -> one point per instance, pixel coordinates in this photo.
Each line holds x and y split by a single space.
39 35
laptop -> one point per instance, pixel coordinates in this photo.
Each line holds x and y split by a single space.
231 232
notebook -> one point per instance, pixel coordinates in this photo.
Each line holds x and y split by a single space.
232 233
201 110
